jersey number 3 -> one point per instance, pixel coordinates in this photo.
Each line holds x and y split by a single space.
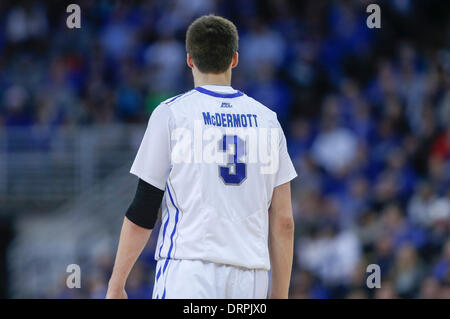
235 172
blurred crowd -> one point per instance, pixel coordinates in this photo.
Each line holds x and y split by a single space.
366 113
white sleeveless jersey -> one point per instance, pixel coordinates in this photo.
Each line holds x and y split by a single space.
218 155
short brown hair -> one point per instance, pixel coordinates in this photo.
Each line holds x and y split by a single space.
211 41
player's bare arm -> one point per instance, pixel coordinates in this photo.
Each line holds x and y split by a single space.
133 239
136 229
281 240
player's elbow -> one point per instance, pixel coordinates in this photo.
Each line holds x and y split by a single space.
288 225
284 225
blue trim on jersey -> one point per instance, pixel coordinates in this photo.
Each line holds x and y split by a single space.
174 98
158 274
174 229
165 280
216 94
164 231
166 263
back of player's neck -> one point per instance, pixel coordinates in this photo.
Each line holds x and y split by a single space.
213 84
212 79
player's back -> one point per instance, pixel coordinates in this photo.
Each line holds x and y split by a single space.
227 153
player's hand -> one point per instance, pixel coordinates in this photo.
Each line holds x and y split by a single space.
116 294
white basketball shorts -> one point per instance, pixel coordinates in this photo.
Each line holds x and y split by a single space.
195 279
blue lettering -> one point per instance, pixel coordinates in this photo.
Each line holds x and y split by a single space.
236 120
243 120
223 120
229 120
256 122
218 120
206 118
249 119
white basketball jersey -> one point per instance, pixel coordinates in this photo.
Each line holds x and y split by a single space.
218 155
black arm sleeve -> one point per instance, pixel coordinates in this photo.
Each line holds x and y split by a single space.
143 211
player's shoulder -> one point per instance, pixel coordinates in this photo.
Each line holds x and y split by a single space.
175 100
169 107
